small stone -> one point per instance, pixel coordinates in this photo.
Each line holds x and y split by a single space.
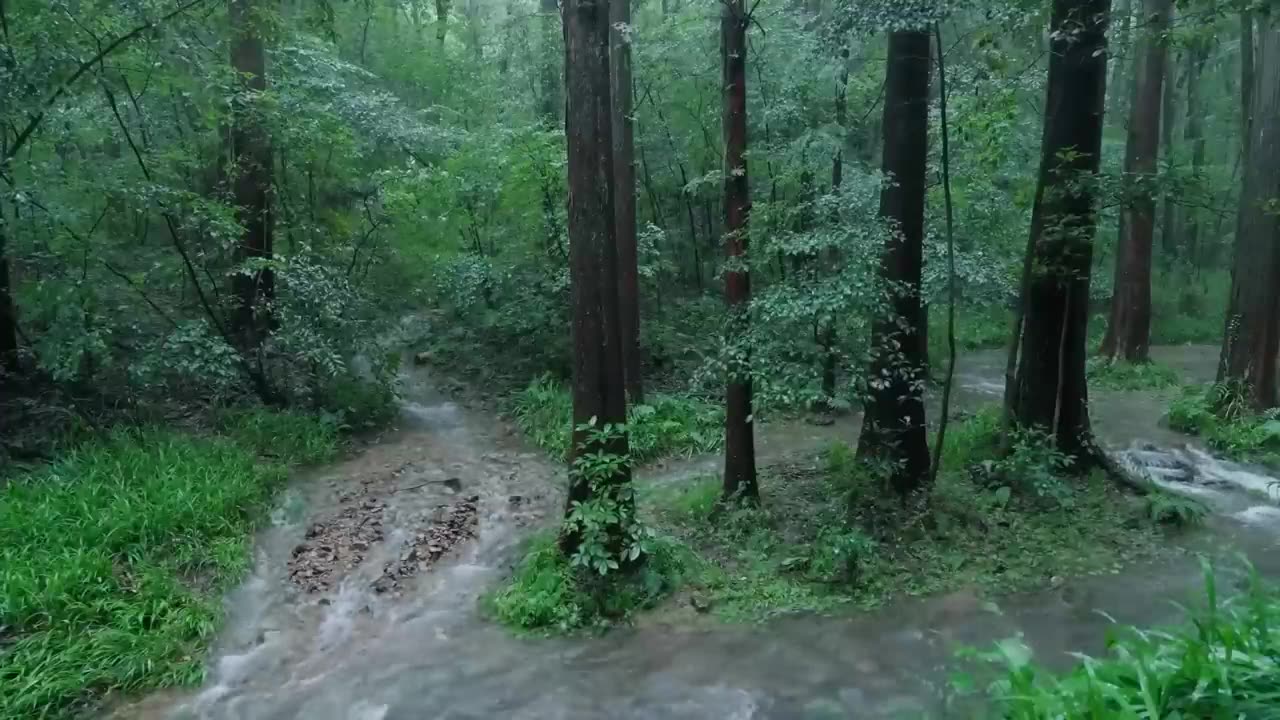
700 603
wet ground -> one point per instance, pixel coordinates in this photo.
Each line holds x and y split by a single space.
347 646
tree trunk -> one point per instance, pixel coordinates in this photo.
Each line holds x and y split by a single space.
828 335
1129 326
624 179
1252 334
739 436
1168 122
1246 80
893 425
442 20
1193 134
552 98
1049 391
252 172
598 391
8 312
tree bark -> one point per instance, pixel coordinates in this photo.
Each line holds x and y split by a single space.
442 20
624 178
1252 334
1049 391
739 442
252 171
598 390
828 334
893 425
552 97
1246 79
1123 18
1129 325
1168 123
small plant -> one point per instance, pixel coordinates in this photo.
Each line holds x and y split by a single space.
1221 415
1163 508
1034 469
1117 375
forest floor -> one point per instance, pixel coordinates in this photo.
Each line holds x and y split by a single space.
448 499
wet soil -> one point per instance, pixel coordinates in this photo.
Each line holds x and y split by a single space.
434 513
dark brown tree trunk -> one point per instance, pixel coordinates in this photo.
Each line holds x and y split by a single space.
1168 123
624 199
1253 318
893 425
1246 80
598 390
739 433
251 171
1049 390
1193 134
552 98
1129 326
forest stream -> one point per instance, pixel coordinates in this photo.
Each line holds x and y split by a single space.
399 636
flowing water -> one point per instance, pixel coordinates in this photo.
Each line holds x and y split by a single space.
423 651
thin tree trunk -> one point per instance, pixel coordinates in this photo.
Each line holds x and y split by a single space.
1123 18
828 335
1129 326
624 178
1168 123
442 20
893 425
1246 79
739 444
549 76
1252 335
1049 391
8 312
598 391
252 171
1193 134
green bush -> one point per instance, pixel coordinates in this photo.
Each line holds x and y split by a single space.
666 425
112 560
290 437
1220 414
1116 375
1225 663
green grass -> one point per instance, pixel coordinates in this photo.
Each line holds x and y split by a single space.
804 551
1118 375
290 437
1223 663
113 559
1221 416
547 594
666 425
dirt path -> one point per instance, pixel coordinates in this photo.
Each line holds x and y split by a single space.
363 602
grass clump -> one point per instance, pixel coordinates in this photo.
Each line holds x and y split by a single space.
107 556
834 535
1117 375
1221 415
293 438
1224 663
548 593
113 559
666 425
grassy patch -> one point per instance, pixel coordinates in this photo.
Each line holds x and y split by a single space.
290 437
666 425
548 594
113 559
1221 664
1221 416
1116 375
1002 527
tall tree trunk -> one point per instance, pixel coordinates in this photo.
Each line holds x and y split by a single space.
1168 123
828 338
739 440
893 425
1252 334
442 19
624 179
1193 134
1129 326
598 390
252 171
1049 390
1246 80
549 77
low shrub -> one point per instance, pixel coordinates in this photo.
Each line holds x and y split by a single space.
1220 414
666 425
1116 375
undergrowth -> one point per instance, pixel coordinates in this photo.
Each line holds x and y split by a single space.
1117 375
1221 415
666 425
113 558
1223 663
1002 527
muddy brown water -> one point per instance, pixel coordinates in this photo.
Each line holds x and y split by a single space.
351 653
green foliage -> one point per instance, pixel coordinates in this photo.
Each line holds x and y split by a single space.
289 437
609 538
666 425
805 549
1221 664
112 559
1118 375
1163 508
1220 413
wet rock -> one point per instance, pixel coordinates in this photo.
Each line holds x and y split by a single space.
422 358
515 499
701 603
449 526
454 484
